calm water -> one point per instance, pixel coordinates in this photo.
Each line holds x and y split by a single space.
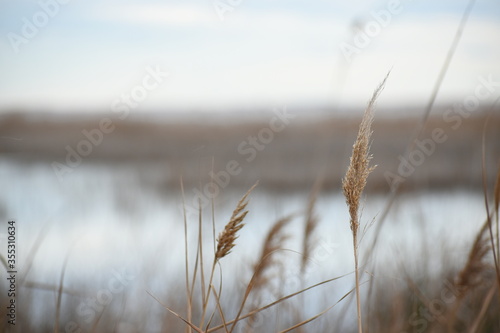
109 220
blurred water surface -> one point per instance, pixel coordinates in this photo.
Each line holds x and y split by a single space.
118 213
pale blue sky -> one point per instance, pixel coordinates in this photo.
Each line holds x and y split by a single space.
264 52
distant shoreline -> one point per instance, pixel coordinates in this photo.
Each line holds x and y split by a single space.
291 159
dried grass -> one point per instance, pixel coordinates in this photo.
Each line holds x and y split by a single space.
226 239
354 181
226 242
310 225
471 275
274 242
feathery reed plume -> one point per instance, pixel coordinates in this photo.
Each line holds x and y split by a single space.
226 239
354 181
359 168
470 276
311 222
273 242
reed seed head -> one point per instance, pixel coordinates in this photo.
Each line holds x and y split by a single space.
274 242
472 273
227 238
359 168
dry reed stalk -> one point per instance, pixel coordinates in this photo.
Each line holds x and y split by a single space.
483 310
310 225
60 292
30 258
496 197
486 204
189 295
219 308
226 242
497 192
354 181
4 262
471 276
200 250
273 243
278 301
196 262
311 222
187 322
304 322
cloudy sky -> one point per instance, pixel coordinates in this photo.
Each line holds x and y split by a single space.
227 54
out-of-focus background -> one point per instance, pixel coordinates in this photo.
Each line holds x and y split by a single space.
106 106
